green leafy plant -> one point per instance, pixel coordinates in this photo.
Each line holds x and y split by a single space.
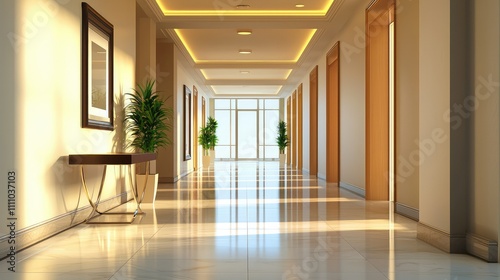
147 120
212 126
282 138
204 138
208 135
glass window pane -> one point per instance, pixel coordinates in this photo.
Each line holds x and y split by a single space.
222 152
224 128
233 127
233 152
272 104
221 104
247 103
272 152
247 134
272 119
261 152
233 104
261 127
261 104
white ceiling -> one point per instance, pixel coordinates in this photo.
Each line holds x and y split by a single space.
285 40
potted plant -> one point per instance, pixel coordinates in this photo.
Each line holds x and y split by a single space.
282 141
212 126
208 140
204 138
147 122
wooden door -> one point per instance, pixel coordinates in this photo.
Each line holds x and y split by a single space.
378 18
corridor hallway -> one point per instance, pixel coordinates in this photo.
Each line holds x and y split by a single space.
249 220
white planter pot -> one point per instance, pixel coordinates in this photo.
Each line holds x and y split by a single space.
151 187
206 161
282 160
212 156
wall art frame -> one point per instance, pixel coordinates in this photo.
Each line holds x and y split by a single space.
97 70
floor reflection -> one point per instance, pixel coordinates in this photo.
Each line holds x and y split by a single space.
249 220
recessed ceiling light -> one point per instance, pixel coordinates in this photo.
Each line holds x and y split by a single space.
245 72
299 6
244 32
245 51
242 6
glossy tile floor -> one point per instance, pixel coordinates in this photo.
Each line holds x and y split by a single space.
249 220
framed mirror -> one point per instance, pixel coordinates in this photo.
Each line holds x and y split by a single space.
97 70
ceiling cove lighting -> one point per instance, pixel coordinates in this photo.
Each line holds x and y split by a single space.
244 32
245 10
299 6
245 72
245 51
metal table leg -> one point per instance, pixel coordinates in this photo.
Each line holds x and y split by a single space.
95 204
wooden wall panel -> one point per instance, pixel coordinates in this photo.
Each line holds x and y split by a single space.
195 128
288 127
378 17
313 133
294 129
300 133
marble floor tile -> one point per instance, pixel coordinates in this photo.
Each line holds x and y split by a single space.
248 220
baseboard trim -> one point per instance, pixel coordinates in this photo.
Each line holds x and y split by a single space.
454 244
482 248
174 179
168 179
34 234
354 189
407 211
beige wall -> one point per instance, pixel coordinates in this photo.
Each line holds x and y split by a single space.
434 102
352 103
166 168
8 118
174 75
484 199
146 48
42 88
352 100
182 78
322 117
407 99
306 121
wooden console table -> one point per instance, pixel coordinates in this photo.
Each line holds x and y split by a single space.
113 159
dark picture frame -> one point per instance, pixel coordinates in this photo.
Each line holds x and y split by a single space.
97 70
187 123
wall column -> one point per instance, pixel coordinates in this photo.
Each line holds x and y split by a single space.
443 146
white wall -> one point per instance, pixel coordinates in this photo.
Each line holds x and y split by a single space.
42 88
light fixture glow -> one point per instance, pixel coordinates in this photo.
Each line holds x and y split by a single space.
245 51
299 6
243 7
245 72
244 32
